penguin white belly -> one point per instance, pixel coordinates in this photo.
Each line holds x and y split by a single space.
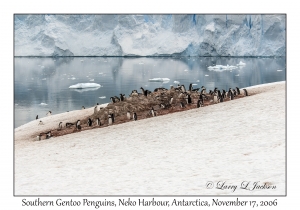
215 99
109 121
128 115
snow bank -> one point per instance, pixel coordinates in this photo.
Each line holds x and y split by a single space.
85 85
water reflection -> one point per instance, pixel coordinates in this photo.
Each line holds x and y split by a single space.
47 80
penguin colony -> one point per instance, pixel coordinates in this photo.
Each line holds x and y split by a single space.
145 104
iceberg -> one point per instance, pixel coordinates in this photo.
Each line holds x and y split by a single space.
221 68
43 104
85 85
164 80
150 35
241 64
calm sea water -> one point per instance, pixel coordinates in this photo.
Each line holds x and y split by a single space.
40 81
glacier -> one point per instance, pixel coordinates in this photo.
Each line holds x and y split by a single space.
150 35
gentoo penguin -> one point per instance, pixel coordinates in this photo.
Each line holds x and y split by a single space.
228 93
171 100
224 93
41 123
231 96
82 107
215 97
245 92
109 119
128 115
153 112
189 99
112 99
221 98
117 99
98 122
60 126
190 87
48 135
203 90
69 124
201 98
134 116
78 124
89 122
238 91
37 117
49 113
122 97
181 104
183 88
143 91
95 110
234 92
113 117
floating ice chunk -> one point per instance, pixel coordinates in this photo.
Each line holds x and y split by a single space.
92 80
72 78
85 85
241 64
198 81
164 80
194 84
44 79
176 82
279 70
206 75
221 67
102 97
43 104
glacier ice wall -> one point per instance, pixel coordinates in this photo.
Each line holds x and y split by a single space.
150 35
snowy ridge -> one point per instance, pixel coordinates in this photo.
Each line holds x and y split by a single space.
150 35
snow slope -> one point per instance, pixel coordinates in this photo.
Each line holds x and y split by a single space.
150 35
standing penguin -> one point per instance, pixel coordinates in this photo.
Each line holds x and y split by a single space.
89 122
113 117
98 122
181 104
171 100
238 91
190 87
49 113
128 115
183 88
37 117
78 124
189 99
39 137
198 103
60 126
153 112
112 99
134 116
41 123
215 97
203 90
109 119
122 97
48 135
245 92
95 109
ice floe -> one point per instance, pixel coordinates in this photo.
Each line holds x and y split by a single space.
221 68
85 85
176 82
241 64
102 97
164 80
43 104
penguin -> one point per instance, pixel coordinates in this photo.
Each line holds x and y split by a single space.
112 99
201 98
221 99
49 113
162 106
69 124
38 138
89 122
171 87
203 90
41 123
109 119
79 127
183 88
219 94
245 92
48 135
95 110
113 117
82 107
238 91
171 100
189 99
215 98
128 115
153 112
234 92
181 104
228 93
134 116
78 124
60 126
122 97
117 99
190 87
97 104
98 122
37 117
224 93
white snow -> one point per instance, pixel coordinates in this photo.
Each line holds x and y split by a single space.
120 35
160 158
85 85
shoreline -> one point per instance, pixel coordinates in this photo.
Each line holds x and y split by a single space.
172 154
